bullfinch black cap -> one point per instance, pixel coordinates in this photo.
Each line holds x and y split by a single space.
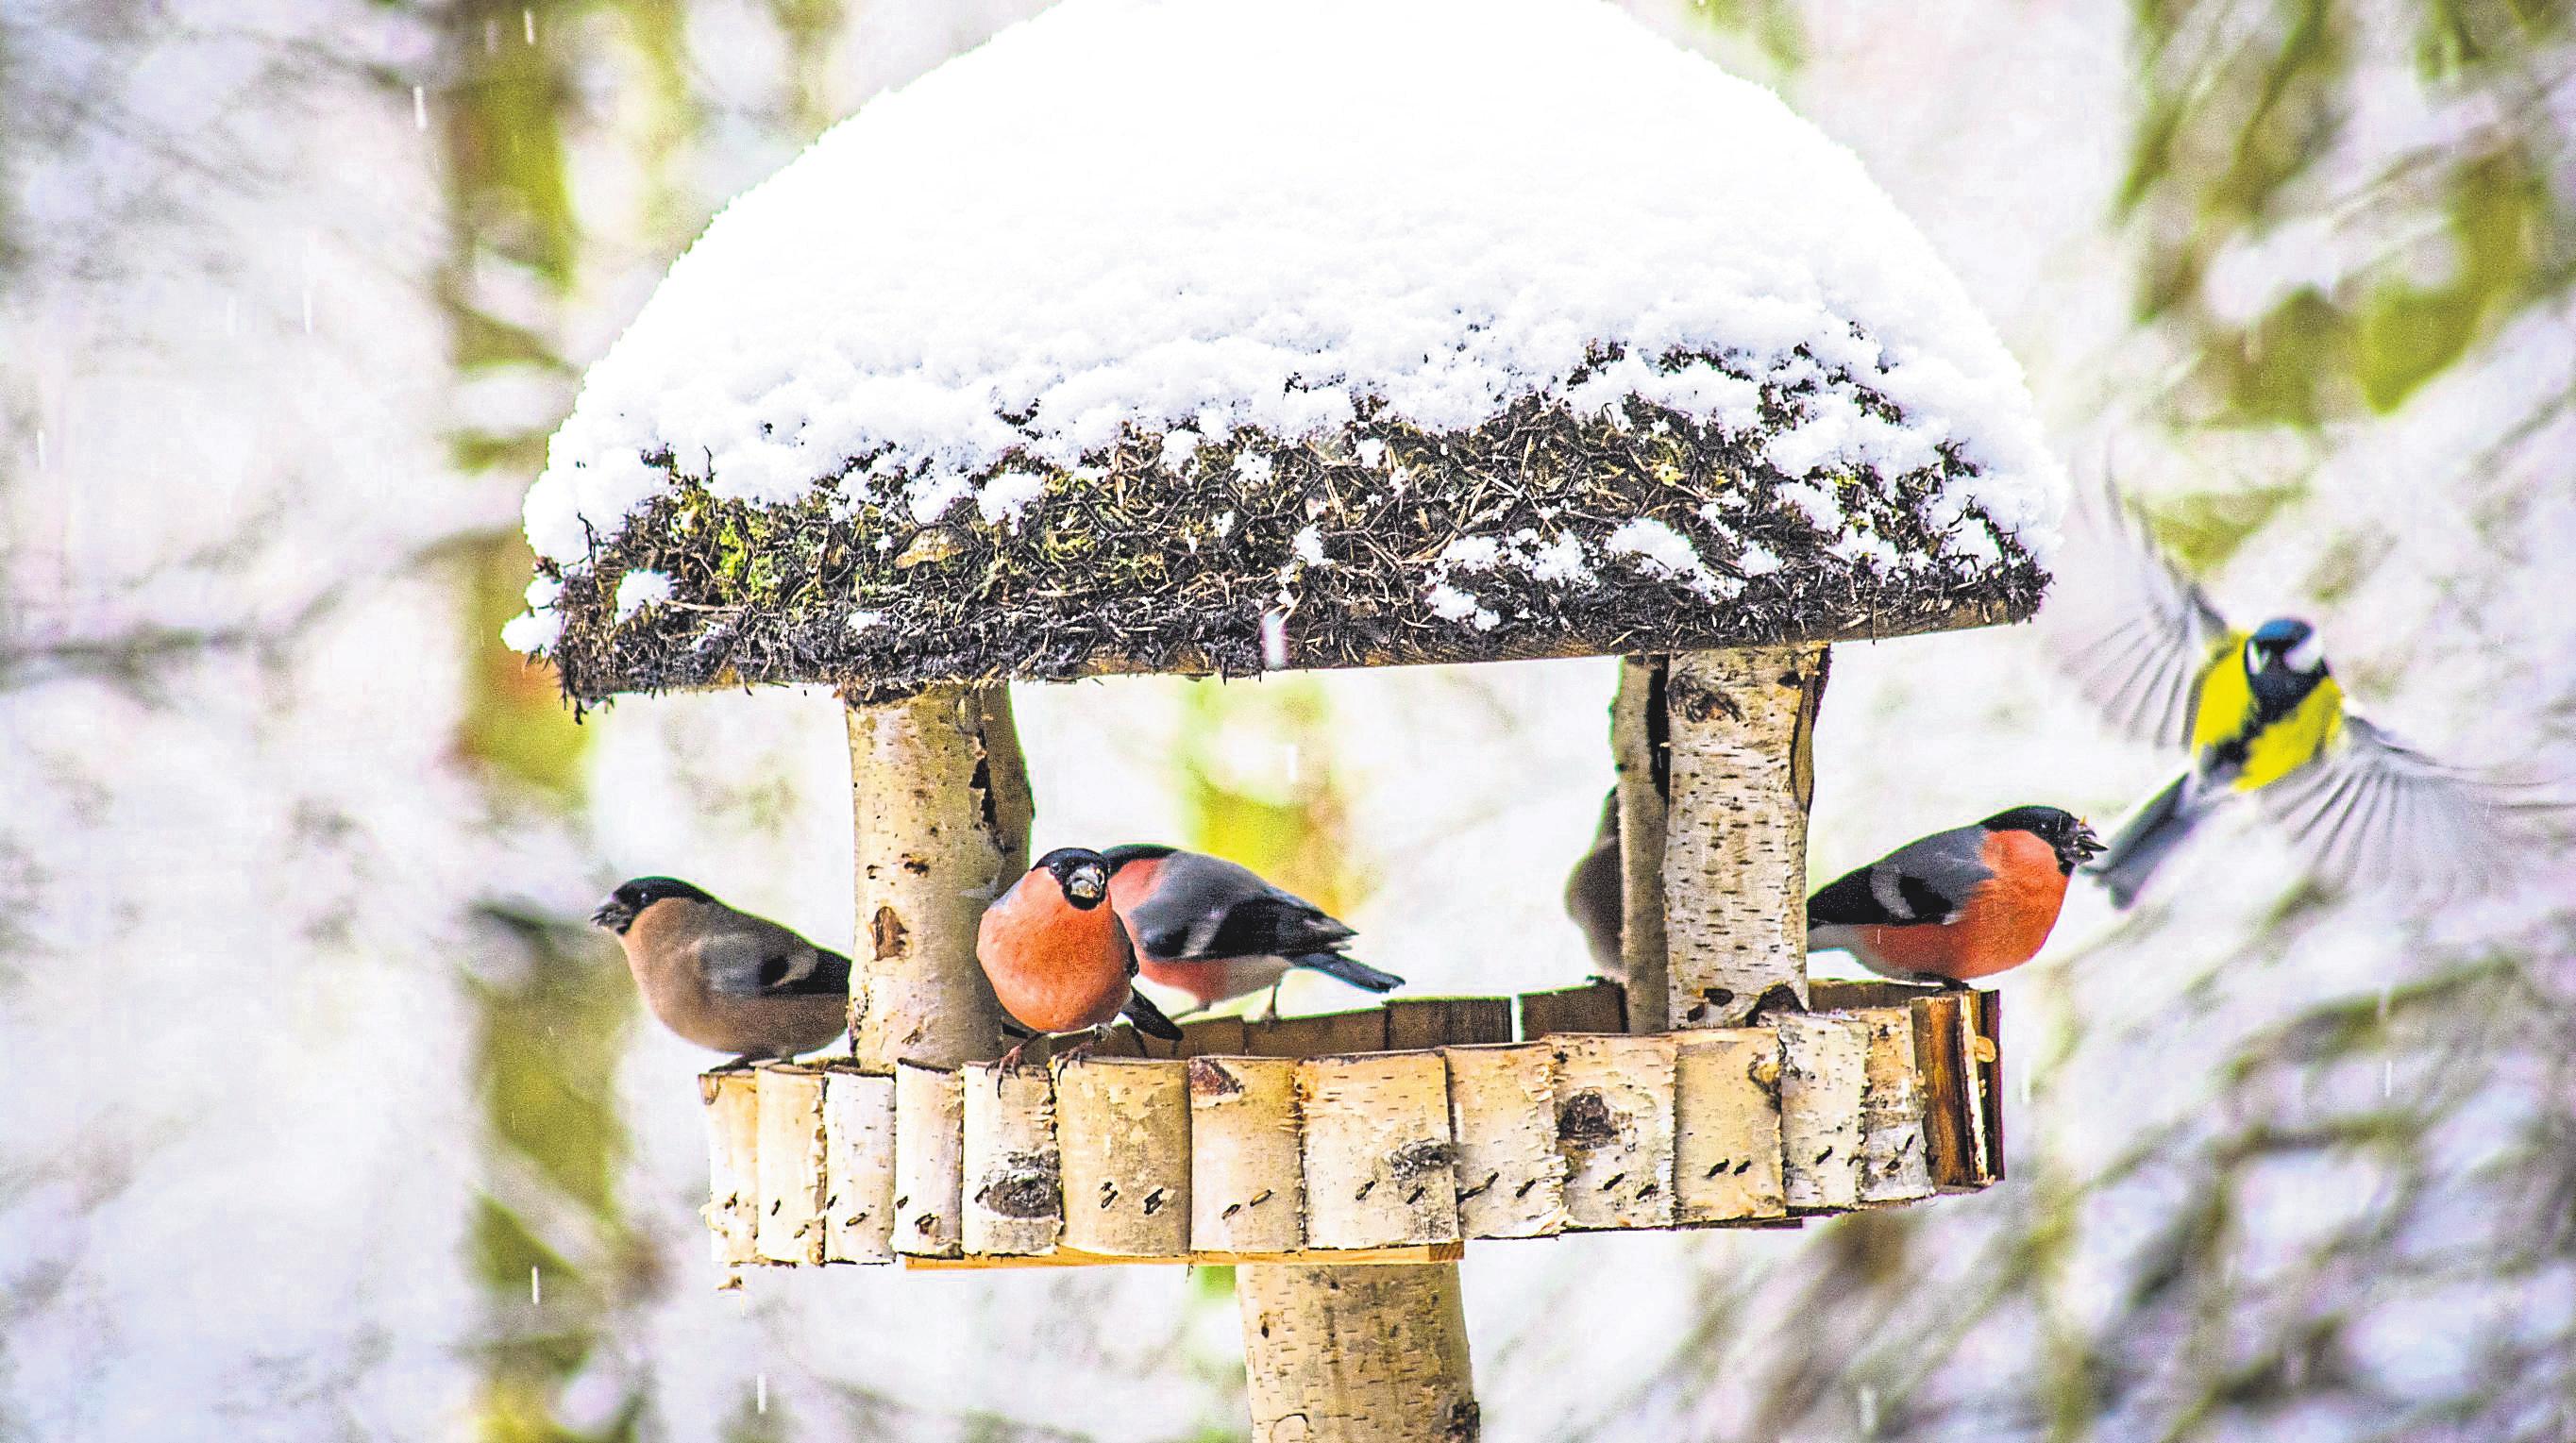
1083 875
631 898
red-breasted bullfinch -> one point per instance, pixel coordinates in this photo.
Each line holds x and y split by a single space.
726 979
2260 715
1957 905
1593 895
1217 931
1057 955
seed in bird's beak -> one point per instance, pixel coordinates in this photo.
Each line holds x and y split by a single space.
1084 887
606 914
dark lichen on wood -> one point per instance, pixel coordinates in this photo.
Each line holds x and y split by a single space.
1122 565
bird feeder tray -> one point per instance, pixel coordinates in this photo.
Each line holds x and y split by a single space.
1388 1134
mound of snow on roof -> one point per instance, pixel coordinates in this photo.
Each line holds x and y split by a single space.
1263 214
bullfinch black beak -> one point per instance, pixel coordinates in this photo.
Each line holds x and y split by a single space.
612 914
2087 845
1086 886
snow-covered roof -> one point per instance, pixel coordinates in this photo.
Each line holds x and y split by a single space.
1429 329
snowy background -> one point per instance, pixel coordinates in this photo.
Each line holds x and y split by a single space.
329 1119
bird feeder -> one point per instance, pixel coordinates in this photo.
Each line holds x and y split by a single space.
1226 339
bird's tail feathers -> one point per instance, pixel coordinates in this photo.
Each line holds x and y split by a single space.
1149 1019
1348 969
2147 840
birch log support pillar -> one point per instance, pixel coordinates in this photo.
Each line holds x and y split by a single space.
1357 1353
942 809
1364 1353
1638 750
1735 841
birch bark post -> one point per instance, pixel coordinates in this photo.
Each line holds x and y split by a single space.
1364 1353
1735 840
1638 751
1356 1353
941 810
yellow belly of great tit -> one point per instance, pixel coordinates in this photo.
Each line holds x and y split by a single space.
2275 750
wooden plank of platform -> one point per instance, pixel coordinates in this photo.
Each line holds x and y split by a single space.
1064 1257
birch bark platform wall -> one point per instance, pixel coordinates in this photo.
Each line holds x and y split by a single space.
954 403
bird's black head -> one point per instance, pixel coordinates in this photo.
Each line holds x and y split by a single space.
1083 874
2284 644
2062 830
631 898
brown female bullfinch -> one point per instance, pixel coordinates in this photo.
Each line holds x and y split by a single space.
1592 895
726 979
1217 931
1961 904
1057 955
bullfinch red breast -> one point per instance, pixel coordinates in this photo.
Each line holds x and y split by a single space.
1957 905
726 979
1217 931
1058 957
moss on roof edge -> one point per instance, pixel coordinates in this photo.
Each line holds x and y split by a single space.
1155 555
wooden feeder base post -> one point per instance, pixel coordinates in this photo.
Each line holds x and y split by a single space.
1356 1353
942 812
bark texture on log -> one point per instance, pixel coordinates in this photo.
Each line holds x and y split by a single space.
1895 1163
733 1165
1511 1178
929 1160
1614 1126
790 1229
1014 1186
858 1167
1823 1060
1377 1150
1357 1354
1124 1130
1247 1179
1726 1126
941 809
1639 751
1735 842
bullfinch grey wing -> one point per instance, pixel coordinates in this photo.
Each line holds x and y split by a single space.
1200 907
746 956
1923 881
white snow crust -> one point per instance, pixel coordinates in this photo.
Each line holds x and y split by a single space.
1268 214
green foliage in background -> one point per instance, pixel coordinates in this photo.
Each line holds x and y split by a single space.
551 1245
1255 767
2435 245
549 1037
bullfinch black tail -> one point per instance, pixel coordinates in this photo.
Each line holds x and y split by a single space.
1149 1019
1348 969
2143 845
